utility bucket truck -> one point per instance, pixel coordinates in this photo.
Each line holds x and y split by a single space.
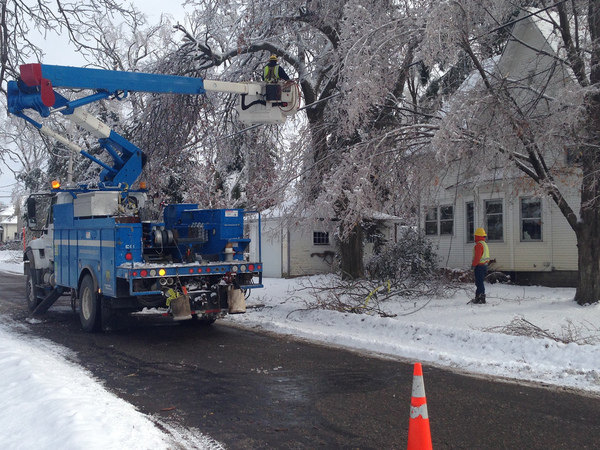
194 265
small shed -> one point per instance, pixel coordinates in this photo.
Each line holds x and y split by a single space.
306 246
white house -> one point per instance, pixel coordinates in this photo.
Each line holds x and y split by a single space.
9 225
528 236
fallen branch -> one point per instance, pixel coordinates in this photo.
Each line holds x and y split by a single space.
570 333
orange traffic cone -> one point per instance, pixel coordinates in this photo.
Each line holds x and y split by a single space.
419 435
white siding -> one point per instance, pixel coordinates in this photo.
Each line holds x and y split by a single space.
556 251
307 258
564 241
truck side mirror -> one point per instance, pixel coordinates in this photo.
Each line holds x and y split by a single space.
31 216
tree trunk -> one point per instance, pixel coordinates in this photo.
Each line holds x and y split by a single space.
588 227
351 252
588 276
323 158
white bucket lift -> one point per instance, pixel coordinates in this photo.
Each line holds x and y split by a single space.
274 104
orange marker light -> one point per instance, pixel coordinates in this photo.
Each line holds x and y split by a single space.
55 184
142 185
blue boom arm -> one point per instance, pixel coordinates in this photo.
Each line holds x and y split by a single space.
35 91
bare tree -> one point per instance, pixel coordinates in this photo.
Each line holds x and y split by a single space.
345 56
21 21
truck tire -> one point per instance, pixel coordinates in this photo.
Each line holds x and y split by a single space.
32 290
89 306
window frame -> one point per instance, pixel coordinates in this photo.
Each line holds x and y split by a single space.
429 221
321 238
440 221
470 222
445 221
490 229
539 219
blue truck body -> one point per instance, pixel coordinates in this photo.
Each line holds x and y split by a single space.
114 249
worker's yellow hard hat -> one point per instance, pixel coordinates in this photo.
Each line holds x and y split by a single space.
480 232
273 58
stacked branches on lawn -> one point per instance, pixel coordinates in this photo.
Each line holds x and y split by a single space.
585 333
406 270
410 264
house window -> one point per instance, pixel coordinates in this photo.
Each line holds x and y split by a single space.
470 211
446 220
441 219
531 219
320 238
494 220
431 222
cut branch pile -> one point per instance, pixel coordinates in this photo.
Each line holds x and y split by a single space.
584 333
369 296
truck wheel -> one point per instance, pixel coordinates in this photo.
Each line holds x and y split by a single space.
89 305
31 290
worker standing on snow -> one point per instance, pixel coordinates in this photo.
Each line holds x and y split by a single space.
273 72
481 258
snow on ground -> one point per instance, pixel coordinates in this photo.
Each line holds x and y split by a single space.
49 402
11 261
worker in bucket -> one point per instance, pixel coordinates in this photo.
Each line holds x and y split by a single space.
273 72
481 258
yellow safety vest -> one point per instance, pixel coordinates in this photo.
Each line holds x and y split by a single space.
485 257
271 75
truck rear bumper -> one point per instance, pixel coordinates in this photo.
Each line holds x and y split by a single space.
146 279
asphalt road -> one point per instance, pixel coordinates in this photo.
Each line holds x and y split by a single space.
250 390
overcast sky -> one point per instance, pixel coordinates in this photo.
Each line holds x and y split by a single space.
59 52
